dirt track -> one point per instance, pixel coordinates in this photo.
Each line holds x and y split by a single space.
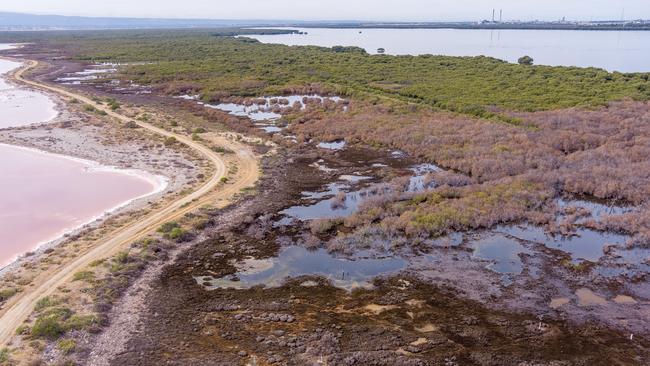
21 306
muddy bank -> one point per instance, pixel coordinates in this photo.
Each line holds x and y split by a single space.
449 310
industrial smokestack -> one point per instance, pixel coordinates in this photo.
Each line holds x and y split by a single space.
493 10
500 15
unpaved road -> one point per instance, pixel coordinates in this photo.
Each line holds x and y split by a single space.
21 306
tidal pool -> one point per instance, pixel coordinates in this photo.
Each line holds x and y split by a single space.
418 183
44 196
334 145
503 252
586 244
297 261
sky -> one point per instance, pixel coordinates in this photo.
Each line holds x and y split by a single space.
396 10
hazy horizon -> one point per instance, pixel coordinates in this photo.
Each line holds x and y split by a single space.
362 10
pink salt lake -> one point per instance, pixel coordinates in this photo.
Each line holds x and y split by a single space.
42 195
20 107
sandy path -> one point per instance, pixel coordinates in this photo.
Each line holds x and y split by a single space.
21 306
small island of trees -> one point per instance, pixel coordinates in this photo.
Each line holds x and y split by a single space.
525 60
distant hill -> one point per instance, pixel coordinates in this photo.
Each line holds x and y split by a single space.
22 21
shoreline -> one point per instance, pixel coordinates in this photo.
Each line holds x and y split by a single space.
53 109
159 182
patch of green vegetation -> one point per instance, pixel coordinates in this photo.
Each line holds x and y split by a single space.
122 257
97 263
79 322
215 66
54 322
176 233
66 345
87 276
50 324
6 293
583 266
131 124
4 355
46 302
448 209
173 231
222 150
113 104
224 180
144 117
168 226
170 141
22 329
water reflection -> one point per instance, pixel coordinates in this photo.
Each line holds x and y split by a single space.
298 261
504 253
614 51
334 145
586 244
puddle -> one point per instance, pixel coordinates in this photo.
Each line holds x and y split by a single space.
254 112
340 204
559 302
336 201
625 262
418 182
322 167
586 297
378 309
94 72
585 245
189 97
426 328
454 239
597 209
334 145
271 129
625 300
354 178
634 256
298 261
502 251
267 108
